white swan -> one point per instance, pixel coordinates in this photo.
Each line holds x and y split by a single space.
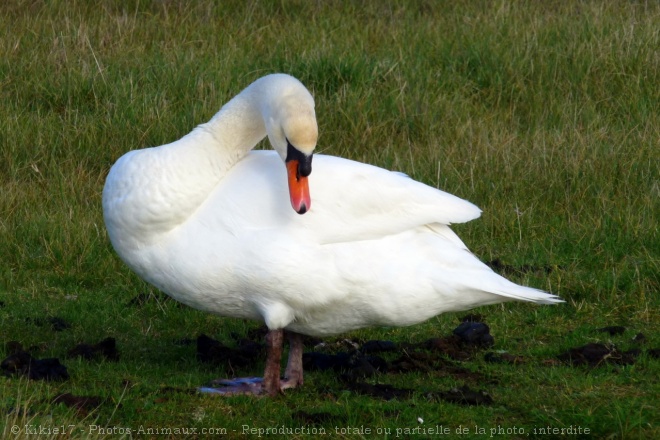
207 221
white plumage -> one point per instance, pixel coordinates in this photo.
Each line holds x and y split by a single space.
208 221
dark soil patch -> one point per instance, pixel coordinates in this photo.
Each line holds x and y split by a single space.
378 347
435 356
353 364
245 354
468 339
411 361
503 358
474 333
106 349
21 363
432 355
465 396
596 354
639 338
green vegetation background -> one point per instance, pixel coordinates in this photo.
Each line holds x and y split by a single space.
544 114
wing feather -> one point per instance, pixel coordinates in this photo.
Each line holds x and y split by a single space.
355 201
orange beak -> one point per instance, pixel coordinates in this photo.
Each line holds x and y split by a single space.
298 188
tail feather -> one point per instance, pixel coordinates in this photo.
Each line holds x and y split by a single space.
529 294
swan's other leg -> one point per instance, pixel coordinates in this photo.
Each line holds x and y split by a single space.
293 376
270 384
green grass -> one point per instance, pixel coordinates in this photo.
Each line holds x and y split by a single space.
545 114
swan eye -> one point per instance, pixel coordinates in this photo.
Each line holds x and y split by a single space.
304 161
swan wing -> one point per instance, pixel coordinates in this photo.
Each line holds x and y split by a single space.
350 201
353 201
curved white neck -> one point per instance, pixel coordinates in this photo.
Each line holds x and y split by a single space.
151 191
235 129
225 139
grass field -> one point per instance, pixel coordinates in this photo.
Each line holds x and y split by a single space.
544 114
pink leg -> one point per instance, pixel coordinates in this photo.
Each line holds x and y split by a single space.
270 384
293 376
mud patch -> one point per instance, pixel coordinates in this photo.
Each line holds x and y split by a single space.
465 396
503 358
376 346
81 404
467 339
106 349
212 351
21 363
596 354
435 356
354 364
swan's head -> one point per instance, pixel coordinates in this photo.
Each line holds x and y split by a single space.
293 132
